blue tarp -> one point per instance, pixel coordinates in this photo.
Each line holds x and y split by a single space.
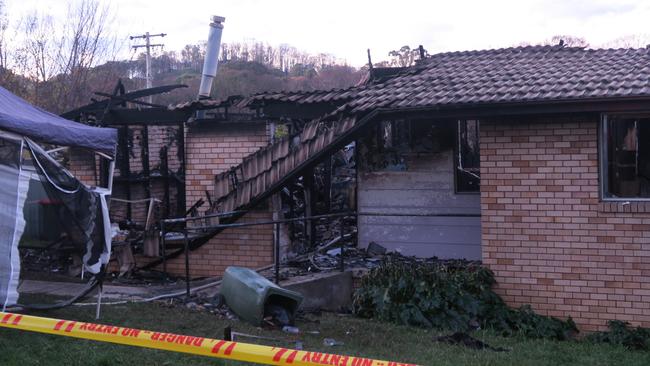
18 116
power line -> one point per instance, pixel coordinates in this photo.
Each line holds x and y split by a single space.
147 44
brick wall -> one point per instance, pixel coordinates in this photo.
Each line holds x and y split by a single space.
549 240
82 165
210 151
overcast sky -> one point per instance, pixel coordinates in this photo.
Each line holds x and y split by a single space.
346 28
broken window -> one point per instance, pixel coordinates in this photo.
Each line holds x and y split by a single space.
625 157
468 175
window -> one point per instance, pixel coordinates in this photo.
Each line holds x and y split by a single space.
468 174
625 157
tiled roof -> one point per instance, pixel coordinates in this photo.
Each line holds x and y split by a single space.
513 75
302 97
507 75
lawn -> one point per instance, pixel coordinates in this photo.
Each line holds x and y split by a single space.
366 338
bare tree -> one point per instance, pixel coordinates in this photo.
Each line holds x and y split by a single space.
86 42
629 41
34 57
55 59
568 41
564 40
3 31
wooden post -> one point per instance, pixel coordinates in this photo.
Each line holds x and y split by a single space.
164 171
292 212
328 183
310 206
144 155
125 168
276 252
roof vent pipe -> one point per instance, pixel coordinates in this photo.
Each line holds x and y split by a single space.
211 61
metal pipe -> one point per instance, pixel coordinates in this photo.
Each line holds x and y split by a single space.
277 253
304 230
342 244
187 265
211 61
304 218
417 215
203 217
100 290
221 226
162 248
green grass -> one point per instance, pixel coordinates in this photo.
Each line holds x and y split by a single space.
361 337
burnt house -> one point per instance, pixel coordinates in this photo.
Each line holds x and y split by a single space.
532 159
167 158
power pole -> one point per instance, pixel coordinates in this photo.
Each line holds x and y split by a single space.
147 44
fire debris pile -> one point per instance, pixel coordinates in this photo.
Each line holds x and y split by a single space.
212 304
331 188
53 259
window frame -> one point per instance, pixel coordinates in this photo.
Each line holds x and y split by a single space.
603 153
456 153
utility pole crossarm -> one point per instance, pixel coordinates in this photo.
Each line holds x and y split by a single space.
147 37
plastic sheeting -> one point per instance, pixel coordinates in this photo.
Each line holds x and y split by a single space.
18 116
12 224
82 212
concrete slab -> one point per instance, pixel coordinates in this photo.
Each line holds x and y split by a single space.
325 291
69 289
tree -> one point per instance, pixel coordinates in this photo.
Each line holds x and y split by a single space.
56 58
3 30
405 56
86 42
629 41
566 41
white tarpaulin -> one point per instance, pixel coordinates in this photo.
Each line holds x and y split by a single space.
81 211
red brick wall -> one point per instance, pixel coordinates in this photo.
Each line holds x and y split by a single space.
211 151
81 163
547 236
247 246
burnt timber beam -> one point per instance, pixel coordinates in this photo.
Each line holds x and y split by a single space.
310 198
154 116
328 183
144 156
164 171
124 100
211 122
124 163
299 111
101 105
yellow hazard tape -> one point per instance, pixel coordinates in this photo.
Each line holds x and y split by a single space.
182 343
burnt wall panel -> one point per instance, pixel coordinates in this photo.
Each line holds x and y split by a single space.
426 187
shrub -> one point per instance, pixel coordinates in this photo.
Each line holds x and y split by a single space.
621 333
455 295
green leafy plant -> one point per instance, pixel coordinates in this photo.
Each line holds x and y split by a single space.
455 295
621 333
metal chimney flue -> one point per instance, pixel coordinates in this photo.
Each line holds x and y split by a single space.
211 62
